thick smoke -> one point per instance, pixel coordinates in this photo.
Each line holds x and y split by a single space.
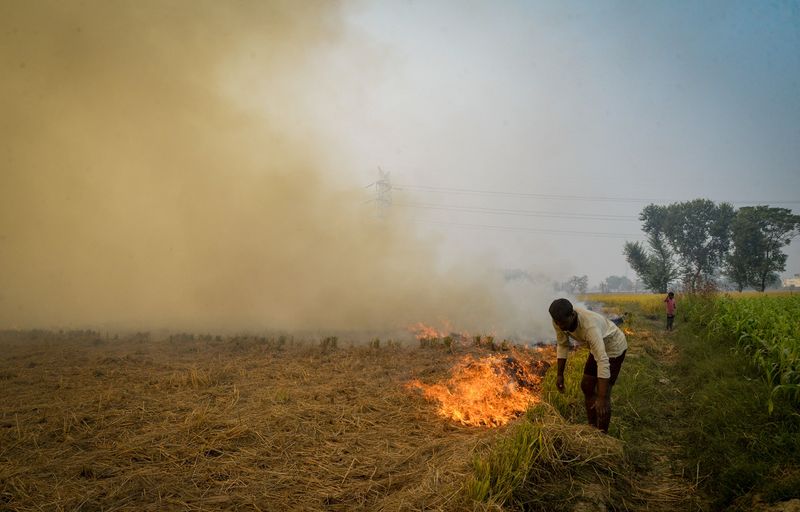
136 192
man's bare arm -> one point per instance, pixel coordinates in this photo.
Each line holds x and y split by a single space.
602 401
562 363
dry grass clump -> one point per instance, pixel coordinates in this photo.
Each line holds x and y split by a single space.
643 338
546 462
205 424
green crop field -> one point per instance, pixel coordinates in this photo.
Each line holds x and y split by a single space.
766 328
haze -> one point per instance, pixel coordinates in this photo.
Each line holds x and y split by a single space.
204 165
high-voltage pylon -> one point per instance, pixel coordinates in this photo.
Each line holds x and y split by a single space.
383 194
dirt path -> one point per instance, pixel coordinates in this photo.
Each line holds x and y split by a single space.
652 403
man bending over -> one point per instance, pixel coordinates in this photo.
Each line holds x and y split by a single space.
607 346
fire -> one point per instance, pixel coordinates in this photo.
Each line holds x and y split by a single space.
426 332
490 391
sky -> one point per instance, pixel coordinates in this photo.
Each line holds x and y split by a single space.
588 109
211 165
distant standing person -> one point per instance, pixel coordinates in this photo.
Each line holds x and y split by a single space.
671 308
607 347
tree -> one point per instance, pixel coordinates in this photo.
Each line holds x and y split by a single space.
655 267
699 233
758 234
617 284
577 284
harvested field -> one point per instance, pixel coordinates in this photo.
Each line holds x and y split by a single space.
259 424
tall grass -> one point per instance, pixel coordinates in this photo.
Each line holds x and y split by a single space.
507 468
763 328
740 449
570 403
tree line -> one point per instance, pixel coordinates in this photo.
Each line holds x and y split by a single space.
696 242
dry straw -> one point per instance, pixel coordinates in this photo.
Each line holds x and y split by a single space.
97 424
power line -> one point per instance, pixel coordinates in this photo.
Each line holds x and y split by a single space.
514 194
524 213
533 230
423 188
531 213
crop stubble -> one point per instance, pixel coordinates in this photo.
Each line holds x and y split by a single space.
196 425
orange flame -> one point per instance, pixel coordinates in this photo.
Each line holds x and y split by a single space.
490 391
426 332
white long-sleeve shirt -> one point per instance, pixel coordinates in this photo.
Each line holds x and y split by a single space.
603 338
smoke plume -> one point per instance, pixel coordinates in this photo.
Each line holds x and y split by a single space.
136 191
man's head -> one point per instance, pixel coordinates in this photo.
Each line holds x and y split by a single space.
563 314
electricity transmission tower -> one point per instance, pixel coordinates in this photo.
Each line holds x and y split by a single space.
383 194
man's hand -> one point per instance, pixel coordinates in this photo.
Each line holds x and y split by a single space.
560 383
602 408
561 363
602 403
